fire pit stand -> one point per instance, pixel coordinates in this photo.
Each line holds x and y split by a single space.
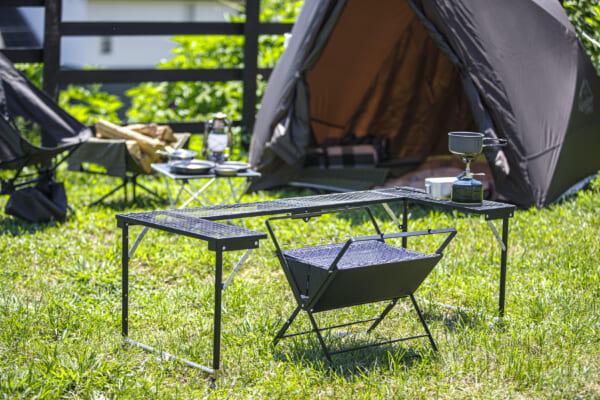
361 270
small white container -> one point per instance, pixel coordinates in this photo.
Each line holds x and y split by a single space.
439 188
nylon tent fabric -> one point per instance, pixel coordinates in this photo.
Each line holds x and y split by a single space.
21 98
281 132
524 76
523 62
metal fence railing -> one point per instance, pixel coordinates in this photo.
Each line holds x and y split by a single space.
55 75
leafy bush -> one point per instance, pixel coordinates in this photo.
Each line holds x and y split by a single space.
196 101
585 17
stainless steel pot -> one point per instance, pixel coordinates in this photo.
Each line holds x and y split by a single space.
471 143
439 188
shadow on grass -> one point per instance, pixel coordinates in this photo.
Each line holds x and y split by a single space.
142 202
407 354
14 226
458 320
354 364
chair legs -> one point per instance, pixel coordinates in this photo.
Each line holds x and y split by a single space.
281 334
126 181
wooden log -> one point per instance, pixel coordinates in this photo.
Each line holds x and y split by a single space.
134 149
166 134
161 132
146 161
113 131
150 130
143 159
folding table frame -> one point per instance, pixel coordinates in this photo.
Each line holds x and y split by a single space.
489 209
220 238
307 204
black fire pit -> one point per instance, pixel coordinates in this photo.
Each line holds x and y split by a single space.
369 271
361 270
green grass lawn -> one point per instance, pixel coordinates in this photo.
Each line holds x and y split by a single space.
60 288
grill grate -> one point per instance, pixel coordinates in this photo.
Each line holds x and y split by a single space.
359 254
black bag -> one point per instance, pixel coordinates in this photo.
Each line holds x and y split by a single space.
39 203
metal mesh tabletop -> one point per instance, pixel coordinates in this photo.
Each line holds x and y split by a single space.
491 210
293 204
359 254
215 233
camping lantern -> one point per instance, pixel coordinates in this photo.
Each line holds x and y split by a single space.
218 142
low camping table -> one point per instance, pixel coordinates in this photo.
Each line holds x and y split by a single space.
220 237
185 183
202 223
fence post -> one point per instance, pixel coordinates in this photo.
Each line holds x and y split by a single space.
250 62
51 51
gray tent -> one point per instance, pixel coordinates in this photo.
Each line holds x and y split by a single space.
412 70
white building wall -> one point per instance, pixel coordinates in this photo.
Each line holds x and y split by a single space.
124 51
35 18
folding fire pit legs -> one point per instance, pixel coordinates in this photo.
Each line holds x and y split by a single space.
362 270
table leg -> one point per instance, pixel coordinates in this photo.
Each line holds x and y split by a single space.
169 191
503 258
391 214
241 190
217 319
194 193
133 185
125 281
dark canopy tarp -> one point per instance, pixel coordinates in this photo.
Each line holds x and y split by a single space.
411 71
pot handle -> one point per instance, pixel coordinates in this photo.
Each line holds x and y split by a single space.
501 142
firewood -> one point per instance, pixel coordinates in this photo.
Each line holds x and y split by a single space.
150 130
166 134
146 161
134 149
162 132
113 131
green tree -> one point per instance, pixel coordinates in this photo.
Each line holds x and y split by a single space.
585 17
196 101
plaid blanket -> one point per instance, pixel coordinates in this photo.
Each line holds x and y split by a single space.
358 156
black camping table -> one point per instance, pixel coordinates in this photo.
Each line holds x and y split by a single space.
202 223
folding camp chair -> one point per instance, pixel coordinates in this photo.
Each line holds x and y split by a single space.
34 195
361 270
